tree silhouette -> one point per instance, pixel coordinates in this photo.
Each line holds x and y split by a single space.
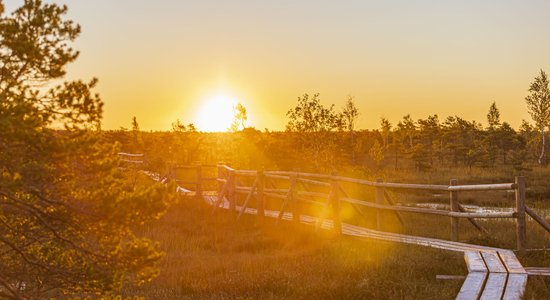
350 113
313 125
239 118
538 105
493 116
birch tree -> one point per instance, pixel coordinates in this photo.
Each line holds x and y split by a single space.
538 105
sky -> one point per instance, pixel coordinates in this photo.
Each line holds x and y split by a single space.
163 60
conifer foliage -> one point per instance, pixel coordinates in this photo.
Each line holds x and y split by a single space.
66 210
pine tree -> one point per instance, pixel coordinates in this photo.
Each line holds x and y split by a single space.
66 211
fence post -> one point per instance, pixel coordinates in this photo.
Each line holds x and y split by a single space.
220 176
520 211
198 189
379 200
260 193
231 190
293 200
335 203
453 196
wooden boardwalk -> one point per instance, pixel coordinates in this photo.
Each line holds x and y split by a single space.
494 273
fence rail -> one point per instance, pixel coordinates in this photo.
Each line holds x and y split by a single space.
267 186
327 191
493 273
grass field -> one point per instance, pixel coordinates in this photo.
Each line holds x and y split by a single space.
214 257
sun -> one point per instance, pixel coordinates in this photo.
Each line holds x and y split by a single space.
215 114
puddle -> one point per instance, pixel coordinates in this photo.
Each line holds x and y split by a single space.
545 213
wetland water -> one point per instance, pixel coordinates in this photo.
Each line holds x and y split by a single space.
545 213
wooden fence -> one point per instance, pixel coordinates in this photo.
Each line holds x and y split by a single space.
131 158
259 184
493 273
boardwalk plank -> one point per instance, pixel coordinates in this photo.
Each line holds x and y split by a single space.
515 287
538 271
493 262
488 267
473 286
494 287
511 262
474 262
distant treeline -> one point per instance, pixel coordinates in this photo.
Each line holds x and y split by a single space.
419 145
320 138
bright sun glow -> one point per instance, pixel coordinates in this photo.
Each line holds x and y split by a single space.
215 114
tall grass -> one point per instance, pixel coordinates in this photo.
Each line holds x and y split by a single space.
211 256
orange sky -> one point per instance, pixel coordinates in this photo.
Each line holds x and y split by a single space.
161 60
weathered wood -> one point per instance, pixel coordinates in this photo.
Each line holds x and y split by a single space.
432 187
288 199
416 240
273 176
313 175
228 168
221 195
473 286
309 201
494 273
493 262
131 154
450 277
313 194
473 221
131 161
293 199
242 191
277 196
542 222
453 195
313 182
379 196
475 262
494 286
248 197
243 188
299 174
511 262
183 167
219 178
355 206
274 190
231 190
520 210
198 186
284 173
358 231
435 187
260 202
538 271
421 210
483 187
515 286
389 199
335 203
251 173
324 212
